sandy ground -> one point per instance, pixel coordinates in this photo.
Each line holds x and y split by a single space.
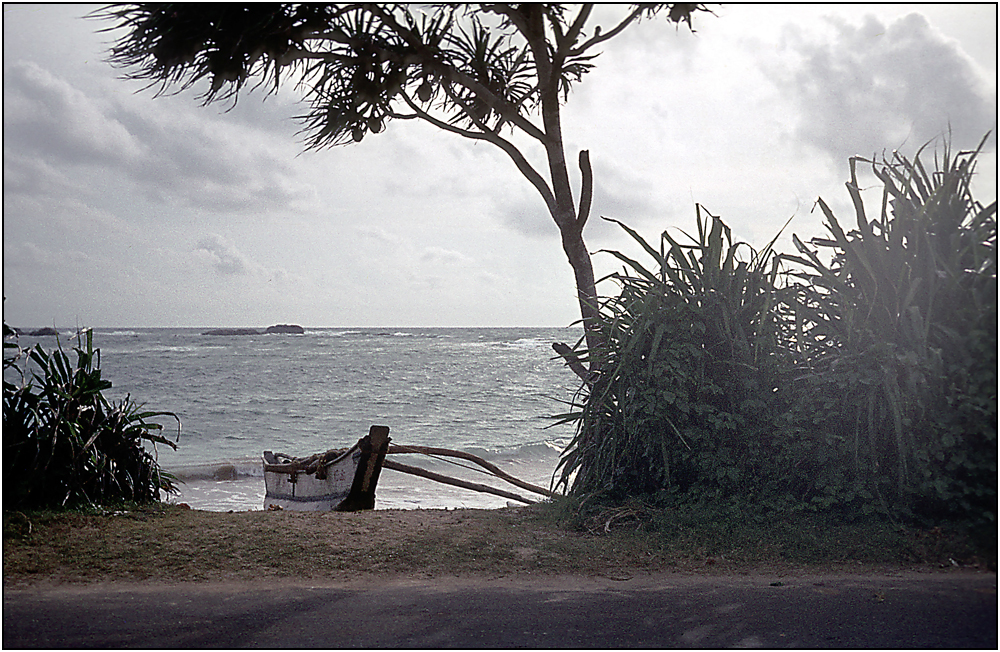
183 545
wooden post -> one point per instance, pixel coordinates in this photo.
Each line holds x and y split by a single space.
373 449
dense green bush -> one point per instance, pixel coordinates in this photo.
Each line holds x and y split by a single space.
64 443
857 376
688 389
897 337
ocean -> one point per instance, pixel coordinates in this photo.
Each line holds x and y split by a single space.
487 391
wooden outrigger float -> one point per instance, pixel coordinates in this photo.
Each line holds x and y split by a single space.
455 482
344 480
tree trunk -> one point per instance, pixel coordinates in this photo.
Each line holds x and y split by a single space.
586 287
568 217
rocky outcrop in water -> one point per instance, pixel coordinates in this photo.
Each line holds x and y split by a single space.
43 332
232 331
290 329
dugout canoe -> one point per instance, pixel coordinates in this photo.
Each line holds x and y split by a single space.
342 480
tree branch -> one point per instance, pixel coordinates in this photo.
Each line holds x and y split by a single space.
533 34
516 19
464 484
509 111
522 163
586 189
572 361
600 38
574 31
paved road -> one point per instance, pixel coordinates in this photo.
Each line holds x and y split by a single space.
909 611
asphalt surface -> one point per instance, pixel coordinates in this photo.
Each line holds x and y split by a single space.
910 610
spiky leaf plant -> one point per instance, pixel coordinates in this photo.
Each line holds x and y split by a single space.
64 443
687 388
897 342
858 376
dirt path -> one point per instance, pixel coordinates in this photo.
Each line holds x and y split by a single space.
908 610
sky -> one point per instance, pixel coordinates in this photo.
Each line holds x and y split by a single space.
121 209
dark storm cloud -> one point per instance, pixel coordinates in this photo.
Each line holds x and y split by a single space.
875 87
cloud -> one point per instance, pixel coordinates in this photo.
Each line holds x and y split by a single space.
47 115
439 256
121 208
626 195
863 89
173 151
379 235
35 258
209 163
223 256
526 214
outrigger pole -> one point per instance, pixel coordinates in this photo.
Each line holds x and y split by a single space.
437 477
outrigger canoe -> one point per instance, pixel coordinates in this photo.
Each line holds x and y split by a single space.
342 480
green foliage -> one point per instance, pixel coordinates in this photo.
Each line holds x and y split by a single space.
64 443
858 376
689 373
362 65
897 343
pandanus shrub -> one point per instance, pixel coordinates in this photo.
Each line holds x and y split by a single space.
896 333
64 443
687 388
858 375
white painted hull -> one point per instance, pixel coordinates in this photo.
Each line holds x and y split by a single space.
342 480
304 492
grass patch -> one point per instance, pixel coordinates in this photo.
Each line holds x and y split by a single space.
685 534
171 544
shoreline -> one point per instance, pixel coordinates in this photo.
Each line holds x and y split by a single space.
238 484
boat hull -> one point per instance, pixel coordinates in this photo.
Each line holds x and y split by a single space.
338 480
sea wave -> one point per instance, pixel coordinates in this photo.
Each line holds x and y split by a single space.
186 349
252 467
371 333
339 333
524 452
416 334
528 343
219 470
524 343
